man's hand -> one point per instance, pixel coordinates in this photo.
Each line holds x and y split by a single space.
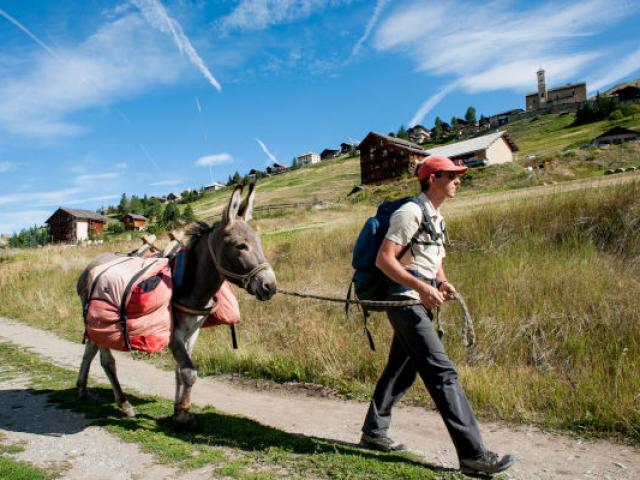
447 290
430 296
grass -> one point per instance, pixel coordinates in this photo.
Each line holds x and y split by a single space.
236 447
551 283
17 470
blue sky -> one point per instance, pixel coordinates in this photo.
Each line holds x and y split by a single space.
99 97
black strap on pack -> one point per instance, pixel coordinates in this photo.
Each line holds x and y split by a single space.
123 304
234 338
85 306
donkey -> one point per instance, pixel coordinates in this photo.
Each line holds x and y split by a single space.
229 249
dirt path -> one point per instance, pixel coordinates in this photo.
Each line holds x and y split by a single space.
541 455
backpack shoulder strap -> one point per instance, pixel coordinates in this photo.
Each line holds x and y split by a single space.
425 224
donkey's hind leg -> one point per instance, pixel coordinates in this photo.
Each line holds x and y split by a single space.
109 365
90 351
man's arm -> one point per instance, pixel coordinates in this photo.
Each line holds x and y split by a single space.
387 261
446 289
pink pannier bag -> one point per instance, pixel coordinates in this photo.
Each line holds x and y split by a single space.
130 304
227 310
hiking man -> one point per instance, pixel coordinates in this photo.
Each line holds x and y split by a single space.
416 272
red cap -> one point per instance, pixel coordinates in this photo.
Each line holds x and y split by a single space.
437 163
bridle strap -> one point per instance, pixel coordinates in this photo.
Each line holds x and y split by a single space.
244 279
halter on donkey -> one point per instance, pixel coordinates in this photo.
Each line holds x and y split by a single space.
230 250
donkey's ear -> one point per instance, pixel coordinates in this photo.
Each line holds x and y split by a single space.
231 212
246 209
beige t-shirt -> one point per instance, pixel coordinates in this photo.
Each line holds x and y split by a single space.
404 223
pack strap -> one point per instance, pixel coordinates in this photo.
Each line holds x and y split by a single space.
124 301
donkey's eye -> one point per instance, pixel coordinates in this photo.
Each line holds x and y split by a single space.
242 246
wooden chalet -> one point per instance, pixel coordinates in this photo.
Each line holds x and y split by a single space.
617 135
328 153
277 168
346 147
490 149
419 134
214 187
173 197
71 225
135 222
384 158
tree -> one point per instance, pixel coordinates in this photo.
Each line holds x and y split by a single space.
470 116
135 205
483 120
294 163
402 133
171 216
237 178
187 214
123 206
437 129
153 210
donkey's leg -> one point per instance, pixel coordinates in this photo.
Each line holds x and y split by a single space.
182 343
90 351
109 365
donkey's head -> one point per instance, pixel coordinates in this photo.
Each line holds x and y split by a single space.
237 251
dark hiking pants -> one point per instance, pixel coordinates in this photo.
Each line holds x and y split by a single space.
416 348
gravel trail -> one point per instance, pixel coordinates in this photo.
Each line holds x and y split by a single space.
541 455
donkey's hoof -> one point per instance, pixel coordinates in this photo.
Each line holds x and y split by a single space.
83 395
127 409
183 419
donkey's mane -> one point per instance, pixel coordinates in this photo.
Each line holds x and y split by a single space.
198 230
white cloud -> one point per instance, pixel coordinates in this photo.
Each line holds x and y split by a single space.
166 183
5 166
158 17
266 151
260 14
380 4
622 68
119 60
216 159
122 165
492 46
40 199
85 180
15 221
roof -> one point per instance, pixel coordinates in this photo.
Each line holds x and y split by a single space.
620 86
136 216
562 87
507 112
405 144
472 145
618 131
82 214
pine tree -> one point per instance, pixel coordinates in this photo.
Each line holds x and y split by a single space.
470 116
187 214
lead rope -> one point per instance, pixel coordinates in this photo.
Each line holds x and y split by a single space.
467 333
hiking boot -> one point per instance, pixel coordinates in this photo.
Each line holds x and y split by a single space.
488 464
382 443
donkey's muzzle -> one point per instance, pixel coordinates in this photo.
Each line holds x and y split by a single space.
264 285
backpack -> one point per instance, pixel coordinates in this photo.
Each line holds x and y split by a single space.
369 283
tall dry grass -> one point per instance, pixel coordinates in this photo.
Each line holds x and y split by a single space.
552 284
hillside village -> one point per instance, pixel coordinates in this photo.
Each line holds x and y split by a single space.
476 143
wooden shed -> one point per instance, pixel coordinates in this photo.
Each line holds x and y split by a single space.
617 135
135 222
384 158
71 225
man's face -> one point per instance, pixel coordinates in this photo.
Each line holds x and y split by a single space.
446 183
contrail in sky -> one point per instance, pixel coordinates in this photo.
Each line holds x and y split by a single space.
198 105
372 21
28 32
431 102
158 17
264 148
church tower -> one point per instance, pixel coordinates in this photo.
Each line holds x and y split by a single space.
542 88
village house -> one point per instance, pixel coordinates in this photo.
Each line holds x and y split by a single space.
135 222
328 153
490 149
503 118
616 135
214 187
383 157
173 197
277 168
625 92
419 134
570 93
347 147
71 225
308 158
